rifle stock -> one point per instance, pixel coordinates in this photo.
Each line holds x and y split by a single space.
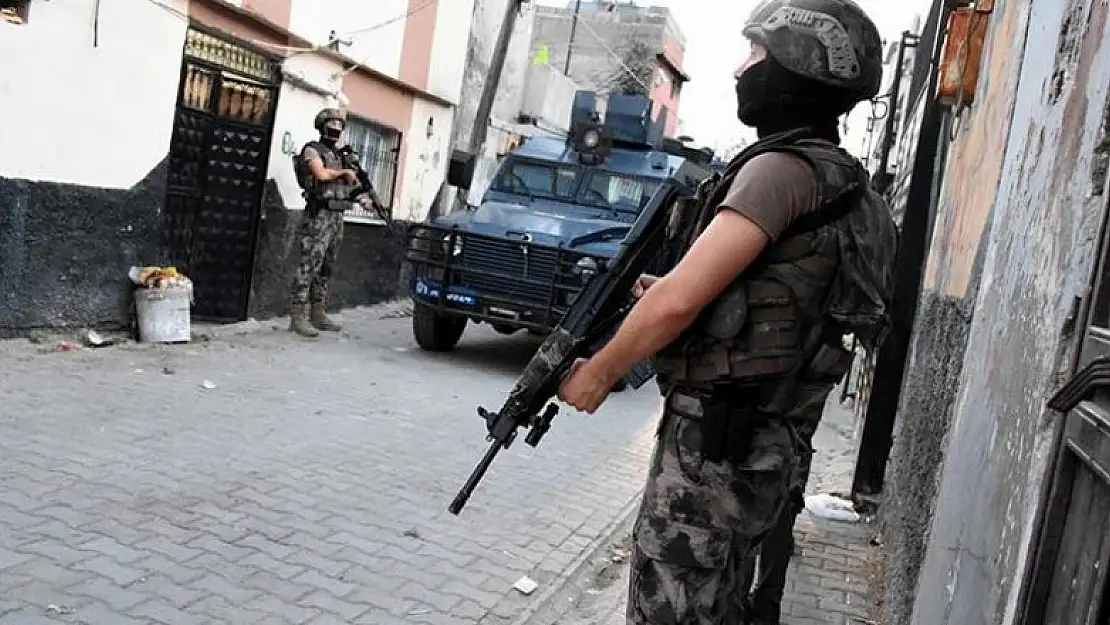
596 313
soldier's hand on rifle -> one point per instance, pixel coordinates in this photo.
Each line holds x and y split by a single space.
585 387
642 285
349 176
367 202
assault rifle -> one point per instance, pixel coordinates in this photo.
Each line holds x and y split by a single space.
593 317
350 161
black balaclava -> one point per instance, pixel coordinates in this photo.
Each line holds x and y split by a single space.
329 135
772 99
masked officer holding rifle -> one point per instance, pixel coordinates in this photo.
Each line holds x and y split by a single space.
793 251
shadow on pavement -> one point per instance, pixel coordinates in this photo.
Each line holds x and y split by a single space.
482 348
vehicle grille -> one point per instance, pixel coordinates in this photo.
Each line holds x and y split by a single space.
500 268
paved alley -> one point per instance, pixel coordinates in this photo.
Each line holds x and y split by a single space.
251 477
257 478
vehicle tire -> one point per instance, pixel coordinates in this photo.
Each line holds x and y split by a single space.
436 332
503 329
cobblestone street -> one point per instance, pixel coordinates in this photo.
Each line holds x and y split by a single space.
827 583
251 477
258 478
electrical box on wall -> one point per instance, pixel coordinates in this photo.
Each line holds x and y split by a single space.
961 59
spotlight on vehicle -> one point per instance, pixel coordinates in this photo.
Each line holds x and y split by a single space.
592 143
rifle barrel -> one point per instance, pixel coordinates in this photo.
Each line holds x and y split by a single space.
476 476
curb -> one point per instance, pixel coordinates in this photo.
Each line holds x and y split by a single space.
386 309
557 585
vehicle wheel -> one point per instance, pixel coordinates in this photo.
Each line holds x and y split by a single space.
436 332
503 329
621 386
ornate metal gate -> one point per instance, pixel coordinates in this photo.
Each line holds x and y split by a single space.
1068 580
217 169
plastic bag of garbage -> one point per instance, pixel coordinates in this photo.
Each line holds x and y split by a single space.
831 508
158 277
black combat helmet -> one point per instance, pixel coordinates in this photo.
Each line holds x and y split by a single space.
832 42
328 115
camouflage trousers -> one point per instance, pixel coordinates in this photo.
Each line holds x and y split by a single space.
320 236
769 574
702 520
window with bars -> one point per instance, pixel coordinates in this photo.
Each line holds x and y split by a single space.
14 11
378 147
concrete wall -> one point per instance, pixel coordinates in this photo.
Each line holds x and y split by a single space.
420 42
448 54
549 97
379 48
86 131
428 152
598 36
601 41
1018 211
51 59
81 199
485 25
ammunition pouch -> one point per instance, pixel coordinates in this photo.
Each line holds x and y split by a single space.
829 364
752 333
726 419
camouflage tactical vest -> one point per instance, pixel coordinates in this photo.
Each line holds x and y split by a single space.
332 195
781 323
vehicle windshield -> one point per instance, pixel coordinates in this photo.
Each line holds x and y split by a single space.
537 180
617 192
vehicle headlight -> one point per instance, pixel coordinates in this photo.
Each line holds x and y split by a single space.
458 245
586 267
591 138
419 240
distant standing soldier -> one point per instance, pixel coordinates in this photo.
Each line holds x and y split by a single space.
328 187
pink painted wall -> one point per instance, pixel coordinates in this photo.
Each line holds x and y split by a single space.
416 53
664 93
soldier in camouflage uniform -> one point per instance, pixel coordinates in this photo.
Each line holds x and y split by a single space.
768 575
792 250
328 187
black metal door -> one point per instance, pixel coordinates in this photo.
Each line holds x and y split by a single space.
217 170
1068 578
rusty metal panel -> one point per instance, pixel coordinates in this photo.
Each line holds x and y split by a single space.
958 72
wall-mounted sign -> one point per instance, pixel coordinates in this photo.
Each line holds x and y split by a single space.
288 145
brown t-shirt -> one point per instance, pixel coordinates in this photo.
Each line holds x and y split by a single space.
773 189
311 153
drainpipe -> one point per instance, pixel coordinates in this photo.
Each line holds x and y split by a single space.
917 226
573 28
884 178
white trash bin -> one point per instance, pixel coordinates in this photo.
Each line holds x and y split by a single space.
164 314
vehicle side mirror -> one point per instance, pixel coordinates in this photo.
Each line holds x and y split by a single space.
460 172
